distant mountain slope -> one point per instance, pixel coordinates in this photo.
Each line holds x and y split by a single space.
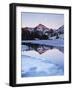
61 29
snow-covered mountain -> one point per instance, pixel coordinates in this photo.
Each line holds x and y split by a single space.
59 33
60 30
42 32
41 27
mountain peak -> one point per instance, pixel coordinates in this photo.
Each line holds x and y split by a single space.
41 27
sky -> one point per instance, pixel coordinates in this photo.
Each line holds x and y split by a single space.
54 21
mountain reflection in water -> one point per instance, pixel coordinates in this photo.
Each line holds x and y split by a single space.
40 48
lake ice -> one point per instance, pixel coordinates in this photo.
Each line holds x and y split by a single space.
50 62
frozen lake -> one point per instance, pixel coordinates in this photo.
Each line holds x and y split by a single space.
42 60
56 42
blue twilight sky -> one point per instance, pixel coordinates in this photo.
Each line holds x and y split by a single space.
29 19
